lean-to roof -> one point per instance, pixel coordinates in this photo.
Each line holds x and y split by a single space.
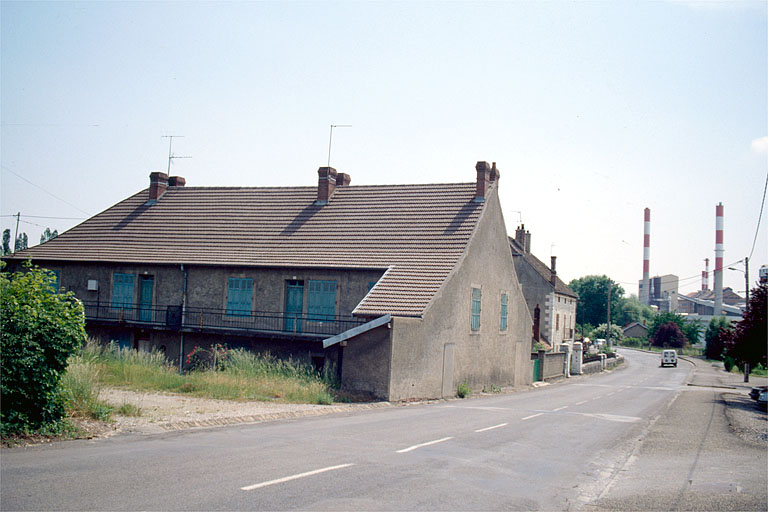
541 268
415 233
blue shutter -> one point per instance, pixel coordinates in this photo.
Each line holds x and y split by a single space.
504 312
239 296
122 290
321 300
476 303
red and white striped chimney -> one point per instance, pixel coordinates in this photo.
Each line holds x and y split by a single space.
705 276
645 295
719 253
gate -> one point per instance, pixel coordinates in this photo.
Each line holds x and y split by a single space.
536 368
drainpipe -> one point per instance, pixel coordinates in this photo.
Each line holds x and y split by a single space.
183 315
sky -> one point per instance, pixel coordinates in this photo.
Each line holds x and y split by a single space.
592 111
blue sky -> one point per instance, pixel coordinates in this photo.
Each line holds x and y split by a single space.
592 111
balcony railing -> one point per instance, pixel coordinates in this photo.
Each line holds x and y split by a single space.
218 320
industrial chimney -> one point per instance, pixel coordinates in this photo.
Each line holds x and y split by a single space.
719 253
705 276
645 292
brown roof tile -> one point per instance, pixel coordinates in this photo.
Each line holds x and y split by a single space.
415 232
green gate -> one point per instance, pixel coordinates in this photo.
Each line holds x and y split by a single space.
536 366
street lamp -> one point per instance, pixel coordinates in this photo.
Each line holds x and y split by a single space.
746 279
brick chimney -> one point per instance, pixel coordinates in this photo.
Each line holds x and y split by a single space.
158 182
553 277
523 238
537 323
343 179
483 181
326 184
176 181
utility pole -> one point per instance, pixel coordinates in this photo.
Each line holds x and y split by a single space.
16 237
746 280
608 334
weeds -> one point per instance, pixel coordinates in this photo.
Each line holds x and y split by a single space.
464 390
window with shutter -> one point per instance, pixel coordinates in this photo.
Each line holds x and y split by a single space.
239 296
321 300
122 290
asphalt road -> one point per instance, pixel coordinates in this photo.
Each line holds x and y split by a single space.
567 446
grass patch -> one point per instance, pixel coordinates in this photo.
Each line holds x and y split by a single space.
242 376
129 410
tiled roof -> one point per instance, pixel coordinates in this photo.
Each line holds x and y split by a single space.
540 268
416 233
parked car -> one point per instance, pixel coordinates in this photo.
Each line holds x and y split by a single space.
762 400
668 357
755 391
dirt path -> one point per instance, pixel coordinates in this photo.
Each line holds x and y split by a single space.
162 412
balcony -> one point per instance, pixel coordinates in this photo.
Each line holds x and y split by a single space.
210 320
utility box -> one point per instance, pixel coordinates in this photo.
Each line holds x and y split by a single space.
93 285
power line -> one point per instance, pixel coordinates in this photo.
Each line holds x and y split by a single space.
41 188
46 217
759 218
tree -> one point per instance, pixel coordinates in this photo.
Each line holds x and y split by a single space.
747 342
632 310
22 242
691 330
601 332
6 242
593 298
48 235
39 330
669 334
715 339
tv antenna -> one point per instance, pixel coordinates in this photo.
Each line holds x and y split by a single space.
330 138
171 156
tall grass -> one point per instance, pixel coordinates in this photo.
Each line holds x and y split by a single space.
81 387
243 376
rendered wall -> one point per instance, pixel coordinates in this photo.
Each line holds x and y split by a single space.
483 358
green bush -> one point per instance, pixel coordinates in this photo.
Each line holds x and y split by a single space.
464 390
39 330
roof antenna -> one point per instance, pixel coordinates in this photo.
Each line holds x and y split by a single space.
171 156
330 138
519 216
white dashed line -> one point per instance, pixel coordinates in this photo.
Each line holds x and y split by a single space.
416 446
560 408
532 416
294 477
493 427
582 402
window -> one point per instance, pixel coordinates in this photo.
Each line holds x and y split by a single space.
476 303
557 322
504 311
56 281
321 300
239 296
371 284
122 290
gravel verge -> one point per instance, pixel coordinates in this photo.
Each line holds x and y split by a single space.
163 412
746 419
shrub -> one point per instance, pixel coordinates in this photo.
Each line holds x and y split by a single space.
669 335
39 330
464 390
717 332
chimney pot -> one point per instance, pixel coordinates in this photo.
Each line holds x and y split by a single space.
158 182
176 181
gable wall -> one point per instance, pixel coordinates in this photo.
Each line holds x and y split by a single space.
482 358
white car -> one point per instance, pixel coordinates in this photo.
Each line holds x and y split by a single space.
668 357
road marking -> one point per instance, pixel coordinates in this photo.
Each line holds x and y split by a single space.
493 427
532 416
598 397
416 446
610 394
611 417
294 477
560 408
582 402
478 408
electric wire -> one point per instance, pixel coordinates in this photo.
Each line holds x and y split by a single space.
41 188
759 217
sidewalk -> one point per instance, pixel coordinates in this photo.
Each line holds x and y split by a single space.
708 374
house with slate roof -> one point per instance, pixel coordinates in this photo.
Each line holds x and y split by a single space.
409 290
542 289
